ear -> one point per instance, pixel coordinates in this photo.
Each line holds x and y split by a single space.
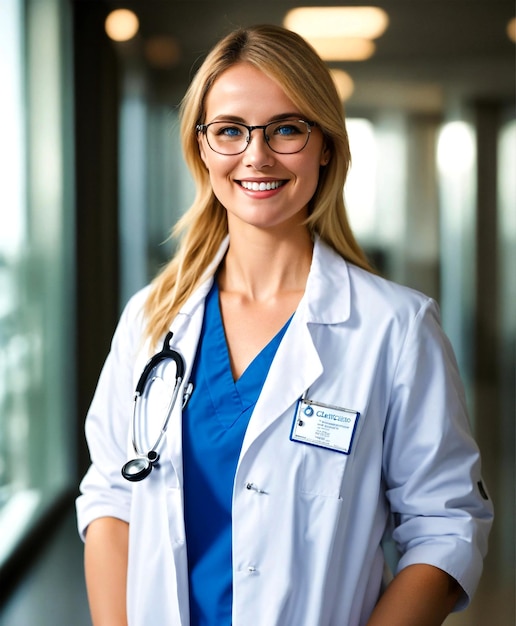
325 156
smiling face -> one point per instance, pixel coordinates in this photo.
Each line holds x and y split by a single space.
260 187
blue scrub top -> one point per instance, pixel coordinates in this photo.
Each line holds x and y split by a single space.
214 425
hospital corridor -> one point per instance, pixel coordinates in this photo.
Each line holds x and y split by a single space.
93 180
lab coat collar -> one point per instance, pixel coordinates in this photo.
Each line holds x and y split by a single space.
206 282
327 293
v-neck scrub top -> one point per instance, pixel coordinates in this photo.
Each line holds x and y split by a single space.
214 425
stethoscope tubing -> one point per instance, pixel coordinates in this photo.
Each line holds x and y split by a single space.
164 426
140 467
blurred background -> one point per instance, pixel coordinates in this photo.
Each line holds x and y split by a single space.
92 180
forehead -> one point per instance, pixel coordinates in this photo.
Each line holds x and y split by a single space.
243 91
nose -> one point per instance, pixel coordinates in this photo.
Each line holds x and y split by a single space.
258 154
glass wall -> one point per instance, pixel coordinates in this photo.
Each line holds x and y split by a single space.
155 185
36 268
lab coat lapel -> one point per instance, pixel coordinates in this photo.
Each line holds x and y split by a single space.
295 368
297 364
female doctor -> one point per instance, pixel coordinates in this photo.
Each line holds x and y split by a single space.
317 406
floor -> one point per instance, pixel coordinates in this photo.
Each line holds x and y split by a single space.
53 592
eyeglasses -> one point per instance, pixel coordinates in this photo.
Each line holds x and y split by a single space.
232 138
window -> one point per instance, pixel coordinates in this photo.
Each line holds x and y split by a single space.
36 280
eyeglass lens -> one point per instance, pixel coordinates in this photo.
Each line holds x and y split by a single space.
284 137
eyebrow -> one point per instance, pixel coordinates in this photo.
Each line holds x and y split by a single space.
274 118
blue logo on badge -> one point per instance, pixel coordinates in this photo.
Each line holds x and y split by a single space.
308 411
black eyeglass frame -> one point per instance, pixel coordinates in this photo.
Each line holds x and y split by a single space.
203 128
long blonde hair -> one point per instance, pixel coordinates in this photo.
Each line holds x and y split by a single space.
285 57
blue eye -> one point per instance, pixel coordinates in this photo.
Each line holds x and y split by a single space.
228 131
232 131
286 130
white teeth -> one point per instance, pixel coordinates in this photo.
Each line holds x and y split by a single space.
254 186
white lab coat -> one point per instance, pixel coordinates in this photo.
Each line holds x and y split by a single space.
307 537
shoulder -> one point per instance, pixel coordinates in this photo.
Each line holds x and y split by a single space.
401 315
355 292
339 292
370 291
402 320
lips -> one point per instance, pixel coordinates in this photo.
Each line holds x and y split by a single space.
261 186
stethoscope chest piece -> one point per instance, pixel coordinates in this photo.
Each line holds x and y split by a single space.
139 468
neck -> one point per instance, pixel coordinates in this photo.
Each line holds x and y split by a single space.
261 265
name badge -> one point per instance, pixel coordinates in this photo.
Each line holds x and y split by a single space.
324 425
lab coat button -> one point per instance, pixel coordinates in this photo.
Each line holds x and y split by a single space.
251 569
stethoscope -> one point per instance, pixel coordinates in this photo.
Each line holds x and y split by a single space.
140 467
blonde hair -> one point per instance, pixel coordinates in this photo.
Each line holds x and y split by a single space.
287 58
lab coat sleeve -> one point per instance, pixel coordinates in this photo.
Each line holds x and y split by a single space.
104 492
431 462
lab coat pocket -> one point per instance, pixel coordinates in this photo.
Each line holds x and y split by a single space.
328 436
323 472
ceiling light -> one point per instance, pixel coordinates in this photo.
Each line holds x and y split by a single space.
162 52
343 48
363 22
344 83
511 30
121 25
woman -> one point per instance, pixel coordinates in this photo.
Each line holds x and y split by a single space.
326 402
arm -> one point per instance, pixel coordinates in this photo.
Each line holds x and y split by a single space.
431 462
105 560
104 505
420 595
